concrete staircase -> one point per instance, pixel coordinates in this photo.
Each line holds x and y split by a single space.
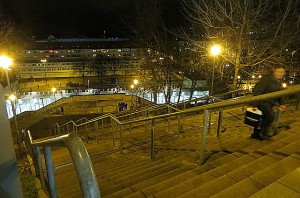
235 166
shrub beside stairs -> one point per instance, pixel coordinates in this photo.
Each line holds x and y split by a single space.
235 165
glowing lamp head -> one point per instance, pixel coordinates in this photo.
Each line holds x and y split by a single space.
5 62
215 50
284 85
53 89
12 97
135 81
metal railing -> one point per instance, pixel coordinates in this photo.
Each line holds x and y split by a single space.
83 165
74 126
115 123
120 126
206 109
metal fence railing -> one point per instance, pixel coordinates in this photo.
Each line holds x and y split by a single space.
82 162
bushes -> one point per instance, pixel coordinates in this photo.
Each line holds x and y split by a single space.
28 186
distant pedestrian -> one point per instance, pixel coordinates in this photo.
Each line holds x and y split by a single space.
62 110
268 84
120 106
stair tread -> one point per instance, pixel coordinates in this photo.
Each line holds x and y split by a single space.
277 170
276 190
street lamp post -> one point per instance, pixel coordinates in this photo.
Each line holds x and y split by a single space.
131 105
215 50
45 73
6 62
135 82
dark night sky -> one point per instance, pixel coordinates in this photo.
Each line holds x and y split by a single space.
74 18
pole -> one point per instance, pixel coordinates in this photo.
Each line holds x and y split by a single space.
10 184
14 113
45 73
136 99
132 103
212 78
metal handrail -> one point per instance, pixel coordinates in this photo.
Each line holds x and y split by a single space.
117 118
110 115
82 162
206 109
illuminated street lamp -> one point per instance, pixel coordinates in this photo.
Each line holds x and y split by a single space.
12 97
5 63
54 90
214 51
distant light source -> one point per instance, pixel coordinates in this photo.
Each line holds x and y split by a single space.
135 81
53 89
253 76
5 62
12 97
131 86
284 85
215 50
250 88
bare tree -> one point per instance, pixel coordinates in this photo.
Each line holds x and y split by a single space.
203 71
99 66
6 30
253 32
158 46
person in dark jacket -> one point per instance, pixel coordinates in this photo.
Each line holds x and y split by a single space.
268 84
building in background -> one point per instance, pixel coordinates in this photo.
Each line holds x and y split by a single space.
112 59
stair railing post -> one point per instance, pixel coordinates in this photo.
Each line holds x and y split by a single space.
152 138
169 119
50 172
121 140
205 129
98 131
220 120
113 132
180 127
40 166
146 121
